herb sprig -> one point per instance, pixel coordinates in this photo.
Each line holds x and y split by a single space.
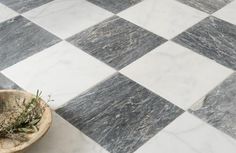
22 119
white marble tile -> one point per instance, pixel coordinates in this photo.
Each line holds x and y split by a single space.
64 138
188 134
62 71
166 18
177 74
227 13
67 17
6 13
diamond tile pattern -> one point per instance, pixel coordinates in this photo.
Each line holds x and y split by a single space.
24 5
20 39
166 18
219 106
116 42
67 17
188 134
79 75
177 74
119 114
127 76
213 38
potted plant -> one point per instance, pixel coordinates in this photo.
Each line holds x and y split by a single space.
24 119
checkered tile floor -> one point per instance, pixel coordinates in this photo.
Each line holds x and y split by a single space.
127 76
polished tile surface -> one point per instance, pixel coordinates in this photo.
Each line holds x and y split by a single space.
20 38
24 5
208 6
48 71
127 76
6 13
219 106
213 38
166 18
187 134
67 17
115 6
116 42
119 114
177 74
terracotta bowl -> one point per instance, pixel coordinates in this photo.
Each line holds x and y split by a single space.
7 145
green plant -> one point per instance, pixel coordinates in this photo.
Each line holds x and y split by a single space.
16 123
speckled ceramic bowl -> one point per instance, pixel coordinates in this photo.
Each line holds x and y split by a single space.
7 145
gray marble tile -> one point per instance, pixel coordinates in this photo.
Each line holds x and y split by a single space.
116 42
20 39
5 83
119 114
213 38
219 107
208 6
115 6
23 5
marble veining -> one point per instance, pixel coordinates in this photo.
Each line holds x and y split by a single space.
213 38
208 6
5 83
219 107
62 71
126 76
115 6
116 42
65 18
20 39
189 134
119 114
177 74
23 5
166 18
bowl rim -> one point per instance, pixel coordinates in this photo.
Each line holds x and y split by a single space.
47 116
